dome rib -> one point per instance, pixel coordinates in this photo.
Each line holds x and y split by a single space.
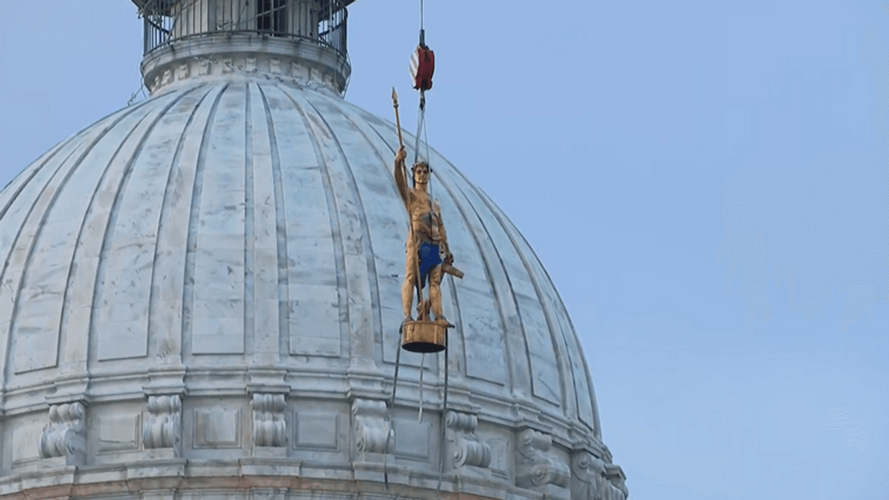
373 323
35 323
343 264
583 407
115 322
13 188
167 339
385 268
167 301
312 279
282 294
255 342
521 376
389 246
508 373
10 286
190 274
585 395
537 300
263 311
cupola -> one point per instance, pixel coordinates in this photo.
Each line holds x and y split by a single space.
301 40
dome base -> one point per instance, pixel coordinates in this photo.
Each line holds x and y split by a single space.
244 479
246 57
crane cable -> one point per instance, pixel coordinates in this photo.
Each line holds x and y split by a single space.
422 69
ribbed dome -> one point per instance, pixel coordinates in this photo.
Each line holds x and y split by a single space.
232 238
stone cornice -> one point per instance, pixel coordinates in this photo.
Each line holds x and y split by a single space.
245 57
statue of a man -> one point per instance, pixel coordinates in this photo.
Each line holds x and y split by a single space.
426 244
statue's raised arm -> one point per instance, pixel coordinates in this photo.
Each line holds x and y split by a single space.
400 170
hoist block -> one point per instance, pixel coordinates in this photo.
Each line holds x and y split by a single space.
422 67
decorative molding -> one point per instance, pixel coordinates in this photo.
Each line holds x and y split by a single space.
255 66
372 425
593 479
411 439
116 432
217 427
617 479
269 427
316 430
299 70
536 467
65 435
163 428
468 449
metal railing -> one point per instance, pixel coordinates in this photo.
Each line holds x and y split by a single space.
320 21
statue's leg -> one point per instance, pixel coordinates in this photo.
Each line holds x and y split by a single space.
435 292
410 278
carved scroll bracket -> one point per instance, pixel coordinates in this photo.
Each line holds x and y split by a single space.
617 479
65 435
372 425
163 427
468 449
536 466
593 479
269 427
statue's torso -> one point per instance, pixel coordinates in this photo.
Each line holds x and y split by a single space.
425 222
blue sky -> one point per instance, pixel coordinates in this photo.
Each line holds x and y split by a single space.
645 149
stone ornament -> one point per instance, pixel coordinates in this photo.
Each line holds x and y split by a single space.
537 467
468 449
593 479
269 427
617 481
163 429
65 435
372 425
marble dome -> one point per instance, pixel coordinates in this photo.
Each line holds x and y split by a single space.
207 285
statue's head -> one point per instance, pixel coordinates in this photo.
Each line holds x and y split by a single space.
420 170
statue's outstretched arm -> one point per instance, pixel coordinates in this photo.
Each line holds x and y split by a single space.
400 181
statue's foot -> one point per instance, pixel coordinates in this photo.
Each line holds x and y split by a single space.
407 319
441 320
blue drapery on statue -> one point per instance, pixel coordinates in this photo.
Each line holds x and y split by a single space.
429 258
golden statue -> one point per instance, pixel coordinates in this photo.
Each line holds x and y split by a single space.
427 253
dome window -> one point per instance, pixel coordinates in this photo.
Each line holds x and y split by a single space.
271 16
